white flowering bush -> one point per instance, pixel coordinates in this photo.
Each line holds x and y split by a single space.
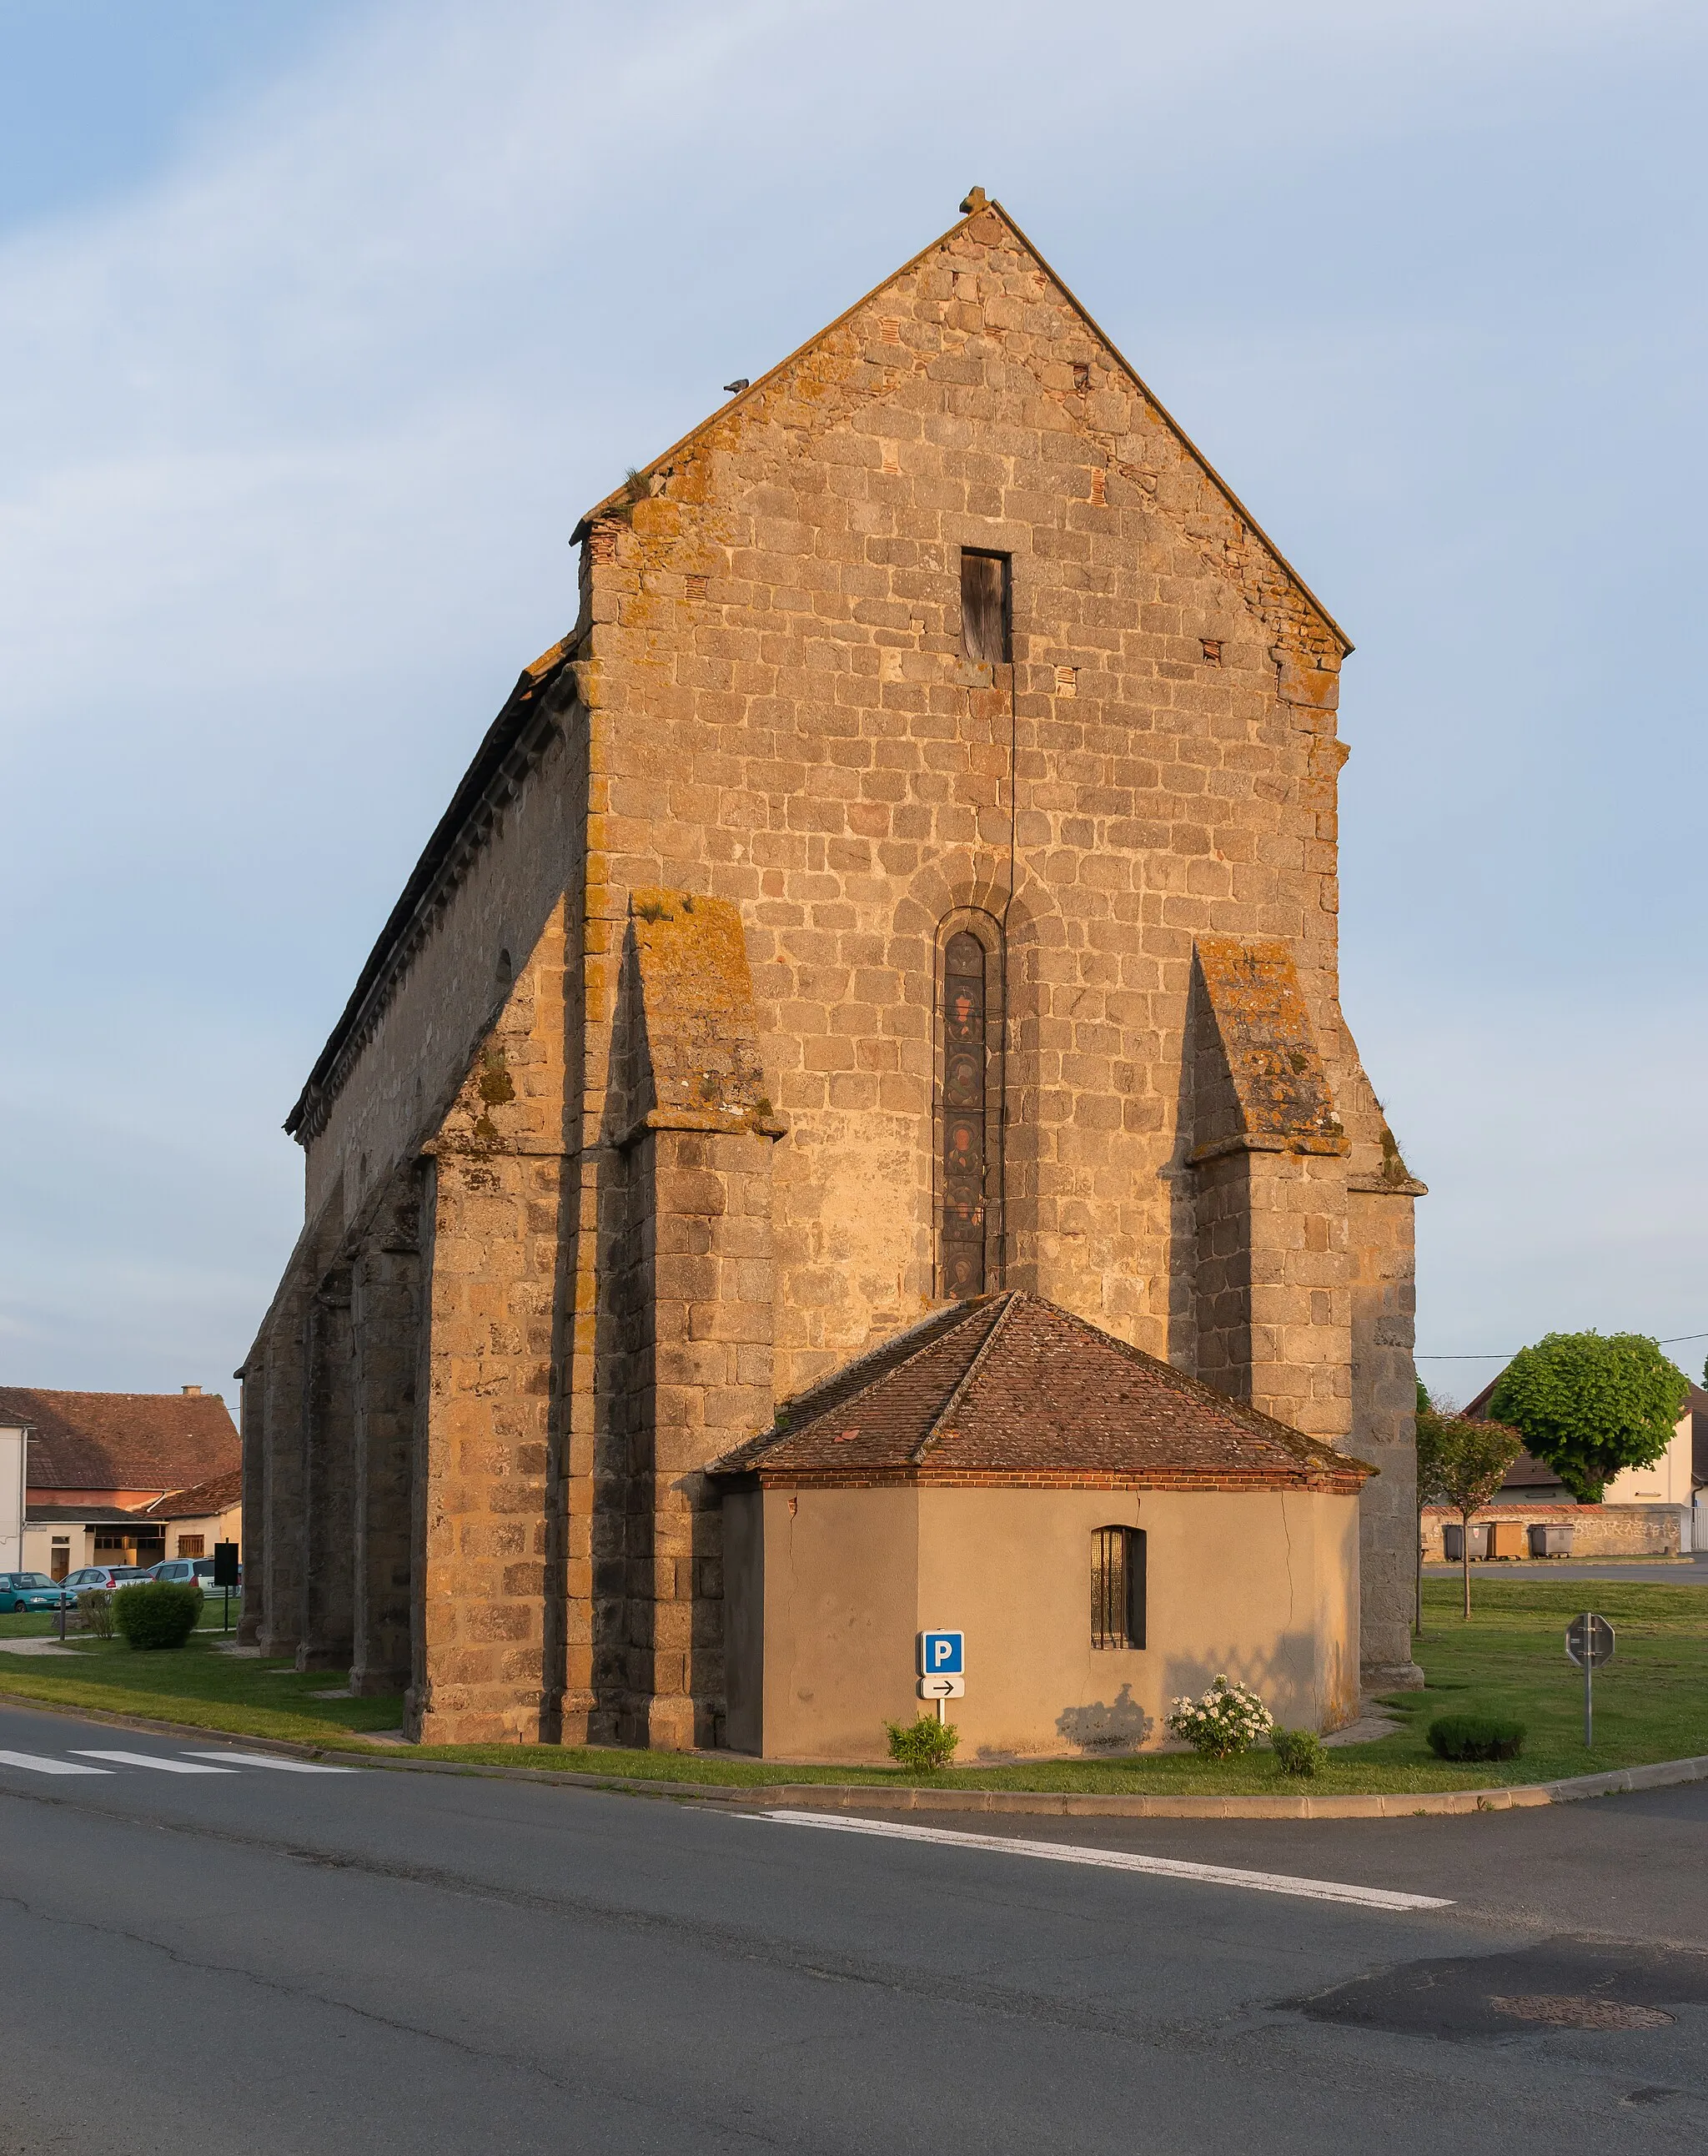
1223 1723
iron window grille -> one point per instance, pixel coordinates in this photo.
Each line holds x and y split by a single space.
1118 1587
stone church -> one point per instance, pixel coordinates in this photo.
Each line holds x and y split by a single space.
911 879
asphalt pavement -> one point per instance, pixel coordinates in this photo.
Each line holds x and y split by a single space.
1691 1571
206 1948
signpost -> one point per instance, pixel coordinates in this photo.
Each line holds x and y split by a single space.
942 1666
1589 1643
225 1575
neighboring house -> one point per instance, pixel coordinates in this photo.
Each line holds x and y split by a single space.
1671 1480
125 1478
1655 1505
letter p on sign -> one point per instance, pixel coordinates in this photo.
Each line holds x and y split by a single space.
942 1655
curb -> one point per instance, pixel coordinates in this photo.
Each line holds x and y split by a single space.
877 1796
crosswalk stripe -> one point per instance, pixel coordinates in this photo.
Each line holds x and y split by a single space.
152 1759
266 1759
1116 1859
37 1765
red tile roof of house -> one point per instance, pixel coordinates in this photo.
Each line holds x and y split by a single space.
1010 1390
165 1441
218 1494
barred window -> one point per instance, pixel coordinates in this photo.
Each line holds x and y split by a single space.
1118 1587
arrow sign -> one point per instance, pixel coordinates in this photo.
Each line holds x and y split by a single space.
942 1687
1589 1640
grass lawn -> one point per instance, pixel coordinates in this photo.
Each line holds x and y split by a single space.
1651 1704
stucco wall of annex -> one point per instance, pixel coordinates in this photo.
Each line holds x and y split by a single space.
1261 1585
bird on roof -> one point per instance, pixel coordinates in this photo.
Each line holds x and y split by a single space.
737 386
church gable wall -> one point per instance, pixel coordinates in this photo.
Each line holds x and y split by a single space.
784 715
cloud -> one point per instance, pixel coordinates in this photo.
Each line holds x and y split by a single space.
302 425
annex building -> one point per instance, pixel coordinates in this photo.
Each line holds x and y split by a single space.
854 1092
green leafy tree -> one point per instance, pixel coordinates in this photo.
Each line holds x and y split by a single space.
1461 1465
1591 1404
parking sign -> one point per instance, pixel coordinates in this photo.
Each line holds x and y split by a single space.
942 1655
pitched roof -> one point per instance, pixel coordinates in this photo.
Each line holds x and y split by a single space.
218 1494
163 1441
493 768
54 1516
1012 1388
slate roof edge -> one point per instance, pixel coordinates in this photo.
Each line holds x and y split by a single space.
521 709
59 1515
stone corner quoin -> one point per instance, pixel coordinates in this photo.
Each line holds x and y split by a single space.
668 1089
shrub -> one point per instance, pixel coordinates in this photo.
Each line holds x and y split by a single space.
1223 1723
160 1613
95 1612
1475 1737
1299 1751
924 1745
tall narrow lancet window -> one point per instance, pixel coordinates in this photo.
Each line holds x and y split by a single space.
965 1081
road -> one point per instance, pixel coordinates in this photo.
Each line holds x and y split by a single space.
1654 1572
252 1958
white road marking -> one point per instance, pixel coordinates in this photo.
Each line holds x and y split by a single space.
1115 1859
266 1759
37 1765
152 1759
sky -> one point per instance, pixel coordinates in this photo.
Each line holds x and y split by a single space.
320 323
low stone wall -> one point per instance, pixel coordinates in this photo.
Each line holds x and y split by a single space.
1598 1531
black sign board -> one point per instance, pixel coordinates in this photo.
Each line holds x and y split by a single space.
225 1565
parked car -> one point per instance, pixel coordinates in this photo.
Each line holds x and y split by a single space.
106 1576
185 1571
29 1590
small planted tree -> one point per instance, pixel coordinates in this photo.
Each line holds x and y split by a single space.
1433 1415
1591 1404
1461 1465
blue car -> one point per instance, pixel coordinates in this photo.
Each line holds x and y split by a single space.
29 1590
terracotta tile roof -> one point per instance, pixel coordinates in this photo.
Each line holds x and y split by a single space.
1014 1389
165 1441
216 1495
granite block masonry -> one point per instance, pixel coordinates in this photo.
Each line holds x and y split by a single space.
913 876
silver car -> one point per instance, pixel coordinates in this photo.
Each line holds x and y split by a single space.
104 1576
185 1572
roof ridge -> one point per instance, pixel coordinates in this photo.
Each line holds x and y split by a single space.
839 1381
1010 1297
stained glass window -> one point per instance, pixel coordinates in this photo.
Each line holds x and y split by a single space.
965 1058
